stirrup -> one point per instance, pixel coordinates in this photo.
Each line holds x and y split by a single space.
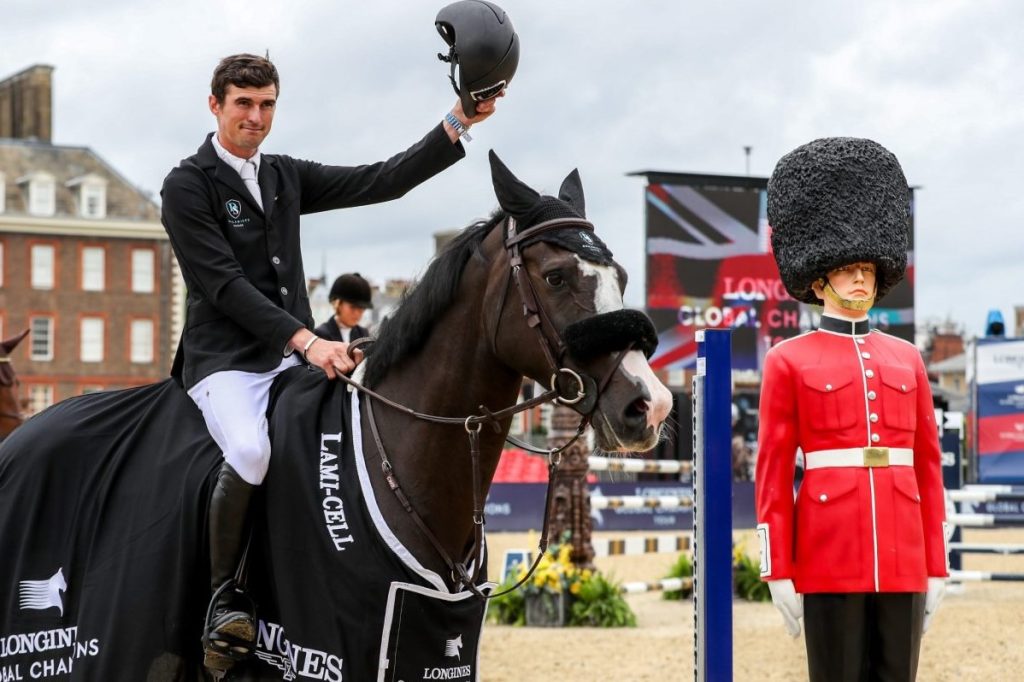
228 640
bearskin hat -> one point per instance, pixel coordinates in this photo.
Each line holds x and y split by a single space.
836 201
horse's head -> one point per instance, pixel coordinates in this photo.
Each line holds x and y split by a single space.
575 331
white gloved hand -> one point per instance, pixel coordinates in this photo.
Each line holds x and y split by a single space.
789 603
932 599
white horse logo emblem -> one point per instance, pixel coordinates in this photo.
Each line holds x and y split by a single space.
452 646
234 207
44 594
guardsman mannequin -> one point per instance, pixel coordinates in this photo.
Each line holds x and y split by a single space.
860 551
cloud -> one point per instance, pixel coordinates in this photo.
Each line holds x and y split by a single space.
607 87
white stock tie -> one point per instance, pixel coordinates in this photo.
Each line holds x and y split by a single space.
248 174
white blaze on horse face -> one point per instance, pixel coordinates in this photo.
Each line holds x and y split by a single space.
607 294
608 298
635 365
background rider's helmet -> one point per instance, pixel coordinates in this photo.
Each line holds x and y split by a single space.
484 46
352 288
837 201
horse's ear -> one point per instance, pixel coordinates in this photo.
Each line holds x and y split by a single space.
571 192
10 344
514 196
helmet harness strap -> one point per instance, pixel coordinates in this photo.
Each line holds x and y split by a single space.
452 58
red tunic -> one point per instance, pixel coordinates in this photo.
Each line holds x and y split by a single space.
851 528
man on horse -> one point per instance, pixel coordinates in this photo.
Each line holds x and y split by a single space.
232 214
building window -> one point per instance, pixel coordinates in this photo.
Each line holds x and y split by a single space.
42 200
142 341
142 271
42 266
42 338
93 268
91 190
94 201
3 192
40 396
92 339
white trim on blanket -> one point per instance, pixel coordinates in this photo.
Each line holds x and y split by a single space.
378 519
382 660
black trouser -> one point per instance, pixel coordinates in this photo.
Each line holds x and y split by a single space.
863 637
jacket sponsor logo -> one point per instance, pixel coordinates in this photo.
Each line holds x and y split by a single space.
293 660
234 207
452 646
43 594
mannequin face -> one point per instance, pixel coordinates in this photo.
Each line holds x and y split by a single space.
854 282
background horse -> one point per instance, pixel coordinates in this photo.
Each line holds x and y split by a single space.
359 568
10 410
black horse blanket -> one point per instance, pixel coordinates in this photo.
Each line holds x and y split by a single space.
103 564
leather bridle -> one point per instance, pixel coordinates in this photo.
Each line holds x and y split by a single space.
554 349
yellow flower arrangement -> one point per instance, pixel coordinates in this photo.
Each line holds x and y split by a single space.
555 572
560 593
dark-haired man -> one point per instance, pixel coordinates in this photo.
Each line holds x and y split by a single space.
232 214
350 297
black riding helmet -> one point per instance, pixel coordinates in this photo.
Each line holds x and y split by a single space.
483 44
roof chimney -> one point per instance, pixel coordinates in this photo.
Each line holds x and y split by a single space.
26 104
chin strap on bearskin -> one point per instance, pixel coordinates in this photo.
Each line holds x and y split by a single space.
845 303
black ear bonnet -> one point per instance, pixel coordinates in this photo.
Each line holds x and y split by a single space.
529 208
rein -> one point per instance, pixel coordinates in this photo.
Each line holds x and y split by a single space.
554 351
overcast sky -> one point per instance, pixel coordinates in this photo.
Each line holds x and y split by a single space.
608 87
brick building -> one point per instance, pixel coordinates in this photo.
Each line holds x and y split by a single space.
84 261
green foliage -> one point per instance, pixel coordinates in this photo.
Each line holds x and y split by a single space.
508 609
682 568
746 575
599 603
594 600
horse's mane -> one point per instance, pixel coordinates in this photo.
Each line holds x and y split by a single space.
403 333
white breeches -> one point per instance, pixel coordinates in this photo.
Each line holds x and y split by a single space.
234 405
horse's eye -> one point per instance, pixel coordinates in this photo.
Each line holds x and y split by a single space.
554 279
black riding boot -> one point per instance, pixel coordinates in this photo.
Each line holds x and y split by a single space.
230 632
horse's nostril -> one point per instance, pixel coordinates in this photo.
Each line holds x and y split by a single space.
637 409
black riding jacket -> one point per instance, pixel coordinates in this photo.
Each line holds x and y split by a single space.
243 266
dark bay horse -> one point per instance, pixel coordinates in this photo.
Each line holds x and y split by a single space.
109 491
10 407
462 332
